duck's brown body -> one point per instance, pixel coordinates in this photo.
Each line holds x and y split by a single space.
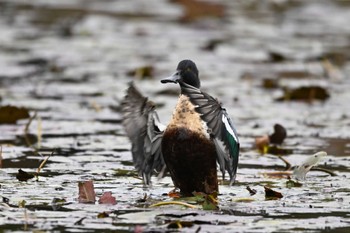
188 152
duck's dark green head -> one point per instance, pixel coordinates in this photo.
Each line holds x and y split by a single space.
186 72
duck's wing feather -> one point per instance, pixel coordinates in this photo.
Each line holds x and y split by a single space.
220 127
142 126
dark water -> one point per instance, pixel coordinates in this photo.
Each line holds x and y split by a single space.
70 61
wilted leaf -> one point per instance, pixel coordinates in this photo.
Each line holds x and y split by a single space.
244 199
277 174
271 194
180 224
125 172
5 200
174 194
86 192
309 94
209 200
80 221
22 203
36 61
23 176
270 83
42 164
262 142
172 203
10 114
58 200
143 199
103 215
276 56
251 191
195 9
275 150
212 44
144 72
292 184
57 203
300 171
279 134
138 229
107 198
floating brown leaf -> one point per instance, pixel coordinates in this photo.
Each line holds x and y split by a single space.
107 198
86 192
262 142
309 94
11 114
271 194
174 194
23 176
103 215
195 9
279 134
270 83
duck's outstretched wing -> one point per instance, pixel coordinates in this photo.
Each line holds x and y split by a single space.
220 126
142 126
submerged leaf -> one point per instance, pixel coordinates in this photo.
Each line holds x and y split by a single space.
300 171
107 198
86 192
11 114
23 176
271 194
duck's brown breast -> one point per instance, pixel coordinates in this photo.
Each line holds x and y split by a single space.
188 152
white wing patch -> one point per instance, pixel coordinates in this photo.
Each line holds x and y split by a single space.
228 127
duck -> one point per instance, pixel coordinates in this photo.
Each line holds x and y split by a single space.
199 138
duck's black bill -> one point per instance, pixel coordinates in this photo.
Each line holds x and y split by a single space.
172 79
